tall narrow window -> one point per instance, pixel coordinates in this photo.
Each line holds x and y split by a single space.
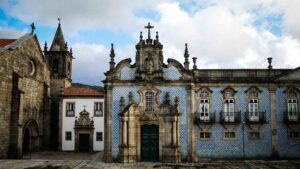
70 109
253 110
292 110
204 109
98 109
149 101
55 65
229 110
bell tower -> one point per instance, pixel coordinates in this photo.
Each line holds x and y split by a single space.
149 57
60 65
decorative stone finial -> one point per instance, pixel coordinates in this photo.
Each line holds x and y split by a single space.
141 36
130 97
194 61
157 36
59 19
32 28
66 45
112 57
167 98
176 100
71 51
186 56
270 63
45 47
122 103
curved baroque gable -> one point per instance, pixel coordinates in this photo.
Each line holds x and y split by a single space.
127 73
171 73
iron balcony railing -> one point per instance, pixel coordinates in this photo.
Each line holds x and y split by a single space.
291 118
205 118
255 118
230 117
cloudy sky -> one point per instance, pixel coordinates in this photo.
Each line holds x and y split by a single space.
220 33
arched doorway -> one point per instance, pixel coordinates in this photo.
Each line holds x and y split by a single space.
26 142
150 143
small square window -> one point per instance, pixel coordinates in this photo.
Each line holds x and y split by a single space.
68 136
204 135
228 135
99 136
70 109
254 135
98 109
294 134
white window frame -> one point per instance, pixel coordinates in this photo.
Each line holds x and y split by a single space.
292 109
253 110
149 101
98 109
204 109
70 109
229 110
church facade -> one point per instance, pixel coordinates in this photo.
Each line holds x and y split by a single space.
156 111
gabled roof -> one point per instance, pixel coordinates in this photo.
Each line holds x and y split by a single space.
82 92
58 40
5 42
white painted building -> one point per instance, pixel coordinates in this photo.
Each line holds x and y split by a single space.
82 120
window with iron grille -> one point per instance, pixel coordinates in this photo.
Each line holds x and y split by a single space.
204 109
68 136
99 136
253 110
229 110
70 109
204 135
254 135
229 135
149 96
98 109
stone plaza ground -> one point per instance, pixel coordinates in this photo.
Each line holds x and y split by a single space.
71 160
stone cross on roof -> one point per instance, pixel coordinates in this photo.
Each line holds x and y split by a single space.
32 28
149 27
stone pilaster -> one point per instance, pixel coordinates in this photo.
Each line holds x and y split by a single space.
272 89
191 127
107 156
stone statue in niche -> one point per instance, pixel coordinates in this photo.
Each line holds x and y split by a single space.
149 64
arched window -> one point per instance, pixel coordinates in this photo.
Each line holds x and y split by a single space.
55 65
149 96
229 105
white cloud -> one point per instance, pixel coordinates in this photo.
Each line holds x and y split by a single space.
11 33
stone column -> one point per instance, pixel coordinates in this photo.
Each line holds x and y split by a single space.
124 132
191 126
107 155
174 132
272 90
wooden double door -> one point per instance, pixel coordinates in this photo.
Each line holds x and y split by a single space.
150 143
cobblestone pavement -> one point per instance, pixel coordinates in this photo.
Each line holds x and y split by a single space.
67 160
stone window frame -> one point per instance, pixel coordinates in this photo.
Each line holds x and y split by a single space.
287 98
142 93
101 109
225 97
149 101
204 130
293 131
68 136
232 129
250 97
250 136
99 136
67 111
200 98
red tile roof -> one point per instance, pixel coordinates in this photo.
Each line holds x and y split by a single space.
82 92
5 42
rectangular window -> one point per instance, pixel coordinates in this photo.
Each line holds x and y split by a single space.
229 110
254 135
204 109
292 110
70 109
294 134
204 135
98 109
68 136
253 110
149 101
99 136
229 135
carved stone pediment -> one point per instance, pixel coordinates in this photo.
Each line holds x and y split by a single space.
149 116
84 120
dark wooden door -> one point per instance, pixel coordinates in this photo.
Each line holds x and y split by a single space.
149 143
84 142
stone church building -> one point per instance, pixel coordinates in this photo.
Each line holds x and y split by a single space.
30 81
156 111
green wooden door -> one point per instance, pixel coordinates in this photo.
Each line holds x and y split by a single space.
84 142
149 143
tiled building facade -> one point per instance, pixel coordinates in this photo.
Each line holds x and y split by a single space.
171 113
